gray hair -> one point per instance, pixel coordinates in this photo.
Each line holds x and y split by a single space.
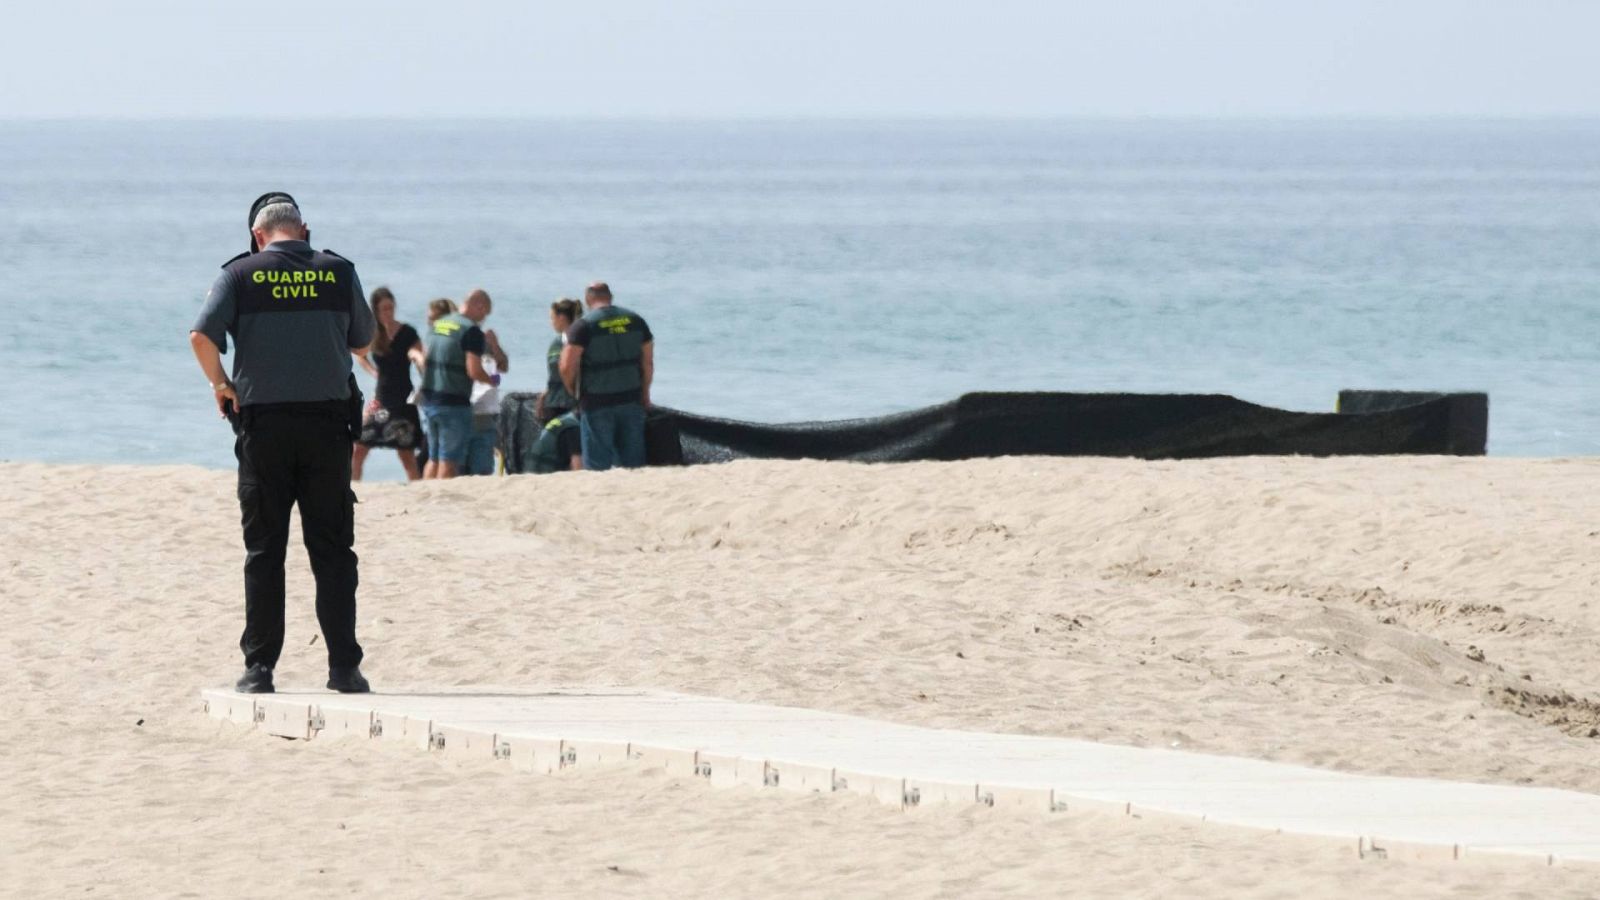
278 217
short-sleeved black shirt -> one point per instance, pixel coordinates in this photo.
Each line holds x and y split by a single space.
394 369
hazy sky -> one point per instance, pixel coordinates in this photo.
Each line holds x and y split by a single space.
813 58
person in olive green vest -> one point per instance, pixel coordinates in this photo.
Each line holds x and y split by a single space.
559 447
554 399
608 364
455 346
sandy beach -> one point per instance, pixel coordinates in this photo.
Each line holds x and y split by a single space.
1424 617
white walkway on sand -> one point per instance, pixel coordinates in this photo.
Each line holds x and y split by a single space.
730 743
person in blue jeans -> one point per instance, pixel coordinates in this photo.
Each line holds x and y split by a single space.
485 397
455 346
608 364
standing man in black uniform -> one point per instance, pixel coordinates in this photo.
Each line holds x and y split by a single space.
294 314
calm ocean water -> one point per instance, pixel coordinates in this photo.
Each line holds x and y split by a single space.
824 270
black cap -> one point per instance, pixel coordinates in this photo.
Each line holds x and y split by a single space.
262 202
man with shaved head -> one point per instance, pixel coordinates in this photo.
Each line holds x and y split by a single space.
608 364
485 397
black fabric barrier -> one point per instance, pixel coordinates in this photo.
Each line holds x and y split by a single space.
1144 426
1469 413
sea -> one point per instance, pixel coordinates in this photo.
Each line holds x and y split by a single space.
814 270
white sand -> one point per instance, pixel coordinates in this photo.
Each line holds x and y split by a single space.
1419 617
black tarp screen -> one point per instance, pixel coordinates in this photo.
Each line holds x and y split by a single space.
1144 426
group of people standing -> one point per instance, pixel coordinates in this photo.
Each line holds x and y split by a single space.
294 316
600 365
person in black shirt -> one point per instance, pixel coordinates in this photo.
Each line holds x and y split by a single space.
391 418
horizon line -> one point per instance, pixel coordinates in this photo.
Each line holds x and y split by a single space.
802 118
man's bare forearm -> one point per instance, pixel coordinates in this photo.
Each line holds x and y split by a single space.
477 372
647 372
209 357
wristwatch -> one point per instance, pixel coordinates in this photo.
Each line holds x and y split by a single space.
221 386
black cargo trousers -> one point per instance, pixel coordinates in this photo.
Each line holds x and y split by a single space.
297 453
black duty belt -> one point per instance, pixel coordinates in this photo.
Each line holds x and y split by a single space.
337 410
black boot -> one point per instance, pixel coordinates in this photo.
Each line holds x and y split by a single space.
256 680
348 681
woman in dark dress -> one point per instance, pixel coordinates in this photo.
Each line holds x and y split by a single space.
391 419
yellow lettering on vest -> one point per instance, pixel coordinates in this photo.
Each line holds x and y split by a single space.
277 292
258 276
615 325
446 329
